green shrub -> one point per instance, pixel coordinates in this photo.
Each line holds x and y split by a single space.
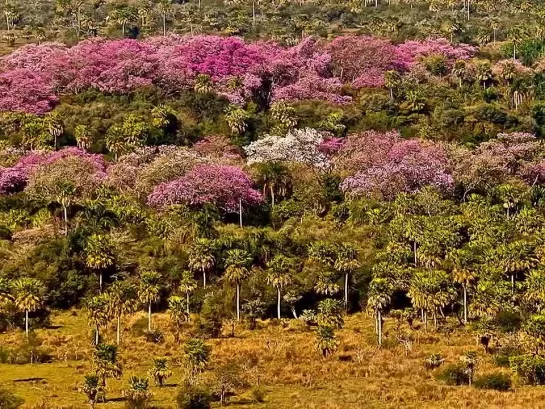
454 374
8 400
502 356
433 361
497 381
529 368
193 397
259 393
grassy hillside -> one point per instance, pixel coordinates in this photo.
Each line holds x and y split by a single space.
288 365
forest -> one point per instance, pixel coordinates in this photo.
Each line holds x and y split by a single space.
272 204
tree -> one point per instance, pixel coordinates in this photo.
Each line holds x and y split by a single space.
463 272
149 290
160 371
330 313
275 179
279 275
92 389
122 297
98 310
379 297
105 363
431 291
138 395
99 254
83 137
201 258
326 340
238 263
346 262
187 286
28 297
197 354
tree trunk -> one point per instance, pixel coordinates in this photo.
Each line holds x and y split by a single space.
26 323
253 13
272 196
203 278
123 29
465 304
414 250
240 211
100 280
379 325
97 336
65 216
278 303
513 283
514 51
468 9
149 317
238 302
118 334
164 24
294 312
346 291
187 304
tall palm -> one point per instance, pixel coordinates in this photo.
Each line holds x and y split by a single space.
238 263
6 298
28 296
463 274
279 275
122 298
149 290
98 311
379 297
201 258
346 262
99 254
187 285
275 179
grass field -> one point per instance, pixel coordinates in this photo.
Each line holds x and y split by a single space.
295 376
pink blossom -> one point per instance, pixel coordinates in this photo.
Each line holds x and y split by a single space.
222 186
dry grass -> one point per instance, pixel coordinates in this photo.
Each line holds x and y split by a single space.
295 376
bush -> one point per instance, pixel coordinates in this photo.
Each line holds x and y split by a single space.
433 361
501 358
155 336
259 393
529 368
8 400
193 398
497 381
454 374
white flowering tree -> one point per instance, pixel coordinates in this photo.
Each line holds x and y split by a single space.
299 146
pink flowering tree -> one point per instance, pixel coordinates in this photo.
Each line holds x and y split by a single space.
408 166
409 52
222 186
13 179
361 60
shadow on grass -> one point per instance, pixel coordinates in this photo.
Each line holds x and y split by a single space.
120 399
170 385
29 380
54 326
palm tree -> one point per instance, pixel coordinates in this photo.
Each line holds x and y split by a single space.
122 300
238 263
279 275
379 297
28 296
275 179
201 258
105 362
164 8
462 273
149 290
83 137
160 371
99 254
6 299
392 80
178 313
346 262
460 71
98 310
187 285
